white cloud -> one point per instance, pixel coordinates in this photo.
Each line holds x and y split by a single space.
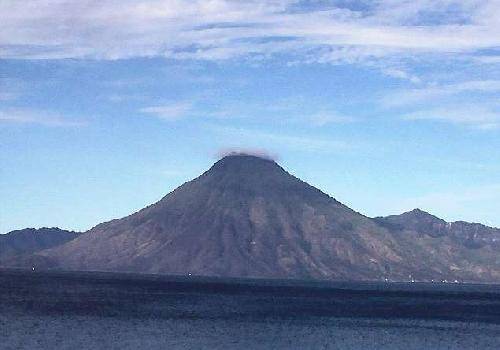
45 118
473 116
328 117
401 74
122 97
430 93
174 111
492 59
224 29
258 152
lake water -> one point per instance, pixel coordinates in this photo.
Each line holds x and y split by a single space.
59 310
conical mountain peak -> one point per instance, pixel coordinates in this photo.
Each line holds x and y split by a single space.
245 162
250 174
248 217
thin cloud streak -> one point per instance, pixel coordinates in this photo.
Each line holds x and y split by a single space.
430 93
328 117
170 112
471 103
44 118
472 116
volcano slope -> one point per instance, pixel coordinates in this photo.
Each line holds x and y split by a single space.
30 240
247 217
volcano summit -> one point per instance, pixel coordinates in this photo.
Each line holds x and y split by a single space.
247 217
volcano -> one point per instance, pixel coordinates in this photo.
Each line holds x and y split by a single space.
248 217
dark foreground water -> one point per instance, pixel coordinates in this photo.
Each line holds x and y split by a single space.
113 311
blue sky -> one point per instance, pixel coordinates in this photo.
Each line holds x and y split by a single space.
386 105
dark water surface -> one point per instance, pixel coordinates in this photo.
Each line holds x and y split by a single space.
66 310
